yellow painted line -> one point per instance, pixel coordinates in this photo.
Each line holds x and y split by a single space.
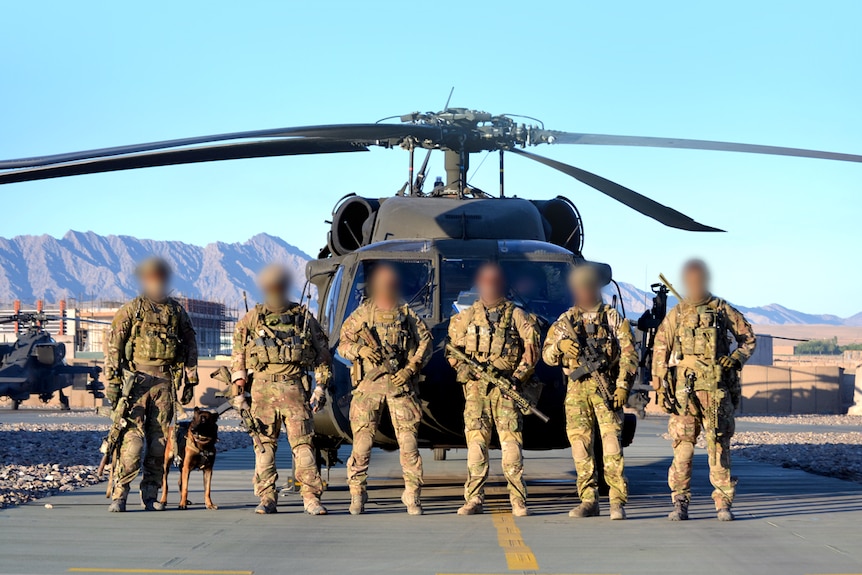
519 556
172 571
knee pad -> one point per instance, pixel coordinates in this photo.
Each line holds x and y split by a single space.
304 456
477 453
611 444
407 442
684 449
580 451
511 453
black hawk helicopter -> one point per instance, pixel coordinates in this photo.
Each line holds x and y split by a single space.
435 238
35 363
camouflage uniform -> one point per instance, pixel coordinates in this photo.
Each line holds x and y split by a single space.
688 344
585 406
153 339
279 346
506 338
373 388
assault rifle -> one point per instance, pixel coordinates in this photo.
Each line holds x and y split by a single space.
594 363
486 375
119 422
222 374
391 360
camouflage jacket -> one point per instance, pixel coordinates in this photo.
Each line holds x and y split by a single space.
404 331
614 332
502 335
309 338
700 333
149 334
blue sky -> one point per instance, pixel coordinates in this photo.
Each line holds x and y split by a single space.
86 75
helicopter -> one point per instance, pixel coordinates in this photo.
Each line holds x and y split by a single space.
435 238
35 364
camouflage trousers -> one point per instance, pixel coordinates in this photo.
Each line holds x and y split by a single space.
150 417
585 409
719 428
283 403
366 409
486 408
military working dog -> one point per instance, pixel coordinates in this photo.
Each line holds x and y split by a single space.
195 449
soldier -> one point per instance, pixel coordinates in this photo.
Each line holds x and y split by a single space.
151 339
692 359
505 339
596 348
274 345
388 345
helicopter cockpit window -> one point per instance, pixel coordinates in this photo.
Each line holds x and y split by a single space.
332 299
417 284
538 287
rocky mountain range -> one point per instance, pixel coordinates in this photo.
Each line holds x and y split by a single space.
88 266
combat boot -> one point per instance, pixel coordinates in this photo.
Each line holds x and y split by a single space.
473 507
680 510
586 509
519 508
152 505
725 514
267 506
411 500
313 506
117 506
618 511
357 503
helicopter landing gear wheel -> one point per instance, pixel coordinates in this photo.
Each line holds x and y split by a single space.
15 404
440 453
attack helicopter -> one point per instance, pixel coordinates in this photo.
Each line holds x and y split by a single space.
35 363
436 238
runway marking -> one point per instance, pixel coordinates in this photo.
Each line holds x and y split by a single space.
519 556
171 571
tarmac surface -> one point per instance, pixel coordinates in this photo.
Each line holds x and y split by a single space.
788 522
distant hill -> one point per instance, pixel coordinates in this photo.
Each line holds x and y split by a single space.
90 266
86 265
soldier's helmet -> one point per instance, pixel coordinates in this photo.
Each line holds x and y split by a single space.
153 267
274 277
584 276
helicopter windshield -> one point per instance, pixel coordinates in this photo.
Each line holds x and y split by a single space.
416 284
538 287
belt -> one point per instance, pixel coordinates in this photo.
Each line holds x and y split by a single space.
154 370
276 377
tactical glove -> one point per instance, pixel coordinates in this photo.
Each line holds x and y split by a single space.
188 394
370 354
663 400
113 392
401 377
569 347
464 374
318 399
729 362
621 396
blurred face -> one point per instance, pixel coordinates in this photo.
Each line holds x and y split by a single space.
586 295
274 282
490 283
695 278
154 284
385 284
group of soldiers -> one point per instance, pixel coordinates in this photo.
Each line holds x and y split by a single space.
695 375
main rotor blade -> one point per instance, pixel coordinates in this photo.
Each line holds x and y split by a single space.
344 132
241 150
638 202
649 142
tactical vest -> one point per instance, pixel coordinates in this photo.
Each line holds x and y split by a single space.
279 339
155 338
491 335
702 332
391 328
596 326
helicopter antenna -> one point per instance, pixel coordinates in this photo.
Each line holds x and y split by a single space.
449 99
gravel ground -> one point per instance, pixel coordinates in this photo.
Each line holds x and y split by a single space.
38 460
804 419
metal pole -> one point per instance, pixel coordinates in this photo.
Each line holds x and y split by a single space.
502 190
410 185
